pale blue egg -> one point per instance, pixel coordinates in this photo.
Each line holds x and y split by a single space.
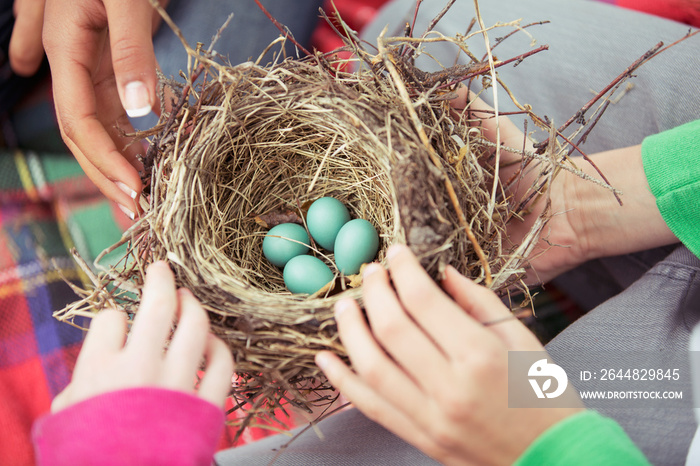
325 218
306 274
357 243
277 246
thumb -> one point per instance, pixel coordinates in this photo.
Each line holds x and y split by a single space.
133 59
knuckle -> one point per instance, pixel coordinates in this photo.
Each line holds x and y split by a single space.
372 372
68 128
387 330
456 405
481 363
105 84
443 435
124 52
414 294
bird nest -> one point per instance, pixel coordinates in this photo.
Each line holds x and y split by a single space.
246 147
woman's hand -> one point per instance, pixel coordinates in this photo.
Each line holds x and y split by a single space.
428 369
107 362
587 221
103 67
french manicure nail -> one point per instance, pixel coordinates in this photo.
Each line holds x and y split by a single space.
126 211
129 192
136 100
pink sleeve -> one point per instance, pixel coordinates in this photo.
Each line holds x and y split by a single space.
139 426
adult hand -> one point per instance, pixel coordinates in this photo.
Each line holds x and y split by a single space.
26 51
103 67
427 369
587 221
545 262
107 362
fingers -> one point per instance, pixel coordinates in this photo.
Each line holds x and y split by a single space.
397 333
75 41
103 343
511 135
110 111
133 59
484 116
372 404
216 382
120 192
107 334
154 321
26 50
188 344
487 308
432 309
369 359
478 301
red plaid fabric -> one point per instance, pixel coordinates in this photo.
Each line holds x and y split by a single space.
37 353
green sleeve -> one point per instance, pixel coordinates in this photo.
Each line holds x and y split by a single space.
583 439
672 165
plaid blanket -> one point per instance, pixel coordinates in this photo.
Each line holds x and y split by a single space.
47 206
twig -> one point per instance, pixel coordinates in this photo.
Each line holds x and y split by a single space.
285 32
492 68
624 75
403 92
437 19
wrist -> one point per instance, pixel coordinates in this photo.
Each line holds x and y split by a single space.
601 225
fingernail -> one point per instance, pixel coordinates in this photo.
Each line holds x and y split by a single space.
157 264
136 100
126 211
394 250
370 269
129 192
342 305
322 361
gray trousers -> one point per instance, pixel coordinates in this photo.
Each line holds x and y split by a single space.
643 302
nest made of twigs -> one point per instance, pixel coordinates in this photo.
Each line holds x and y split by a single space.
249 144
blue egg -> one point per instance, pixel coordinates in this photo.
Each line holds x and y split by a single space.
325 218
277 246
306 274
357 243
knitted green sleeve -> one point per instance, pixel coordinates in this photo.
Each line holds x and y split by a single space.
583 439
672 165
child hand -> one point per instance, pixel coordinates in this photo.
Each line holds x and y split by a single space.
427 369
107 362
